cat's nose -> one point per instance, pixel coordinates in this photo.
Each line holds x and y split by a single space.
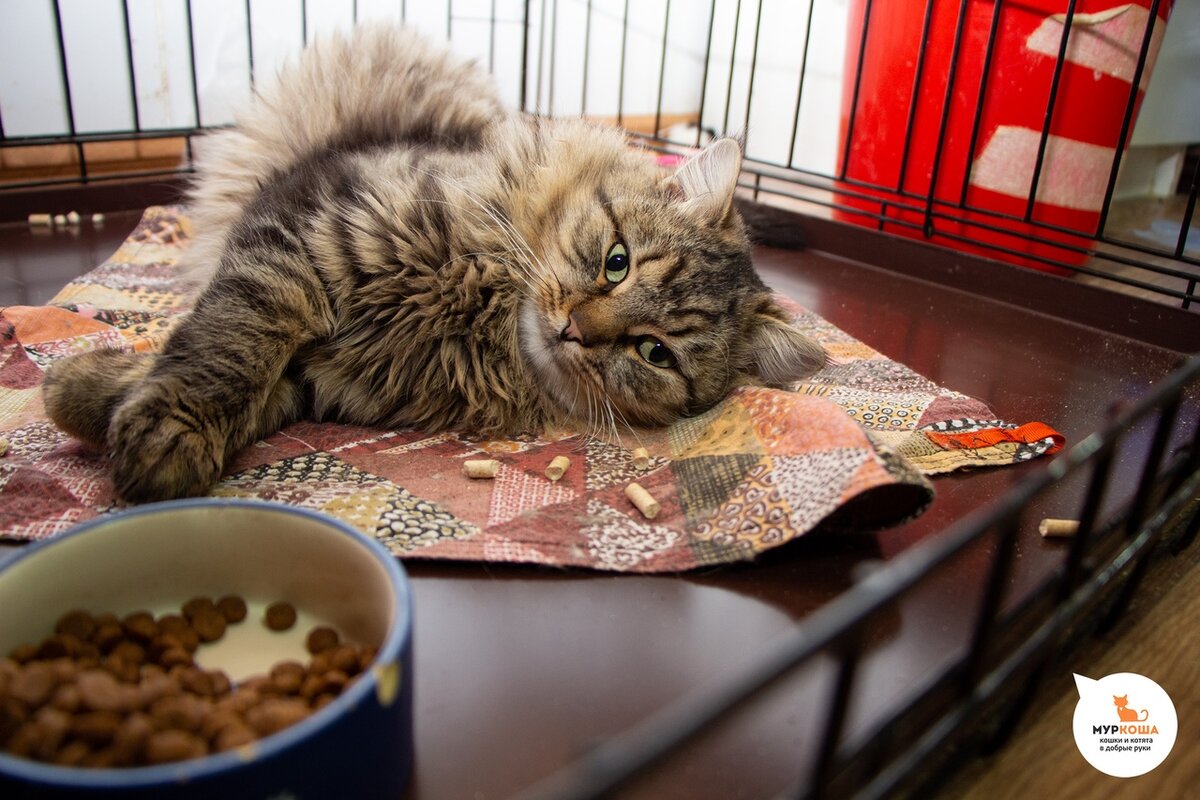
571 332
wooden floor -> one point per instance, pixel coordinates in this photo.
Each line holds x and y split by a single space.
1160 638
1157 638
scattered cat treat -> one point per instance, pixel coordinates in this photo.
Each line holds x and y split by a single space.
640 457
73 218
1058 528
558 467
644 501
97 694
280 616
481 468
41 220
60 219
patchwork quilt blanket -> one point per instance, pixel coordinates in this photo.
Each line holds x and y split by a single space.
854 447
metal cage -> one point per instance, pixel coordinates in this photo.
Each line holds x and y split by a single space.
915 200
1122 528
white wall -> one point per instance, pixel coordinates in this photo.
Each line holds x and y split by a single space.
562 34
777 66
1170 112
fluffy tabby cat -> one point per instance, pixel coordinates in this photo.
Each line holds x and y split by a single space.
389 246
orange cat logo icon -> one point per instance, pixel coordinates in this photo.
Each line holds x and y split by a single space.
1128 714
1139 739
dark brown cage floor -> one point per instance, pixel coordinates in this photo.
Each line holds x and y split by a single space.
519 670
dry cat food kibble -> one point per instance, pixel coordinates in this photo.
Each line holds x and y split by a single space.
640 457
204 618
321 638
280 616
232 608
102 691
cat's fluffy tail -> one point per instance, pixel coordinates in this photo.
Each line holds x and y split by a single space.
81 392
377 85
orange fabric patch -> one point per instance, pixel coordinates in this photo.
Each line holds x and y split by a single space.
990 437
48 324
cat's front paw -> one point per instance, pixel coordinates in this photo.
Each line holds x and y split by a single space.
160 451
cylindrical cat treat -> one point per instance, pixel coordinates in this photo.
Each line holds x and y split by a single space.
557 467
644 501
1058 528
484 468
641 457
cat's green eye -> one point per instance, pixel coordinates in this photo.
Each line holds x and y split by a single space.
616 263
655 352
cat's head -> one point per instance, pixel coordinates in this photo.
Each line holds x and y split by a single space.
653 310
1120 701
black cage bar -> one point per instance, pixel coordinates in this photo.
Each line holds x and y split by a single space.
1118 549
1009 648
1167 272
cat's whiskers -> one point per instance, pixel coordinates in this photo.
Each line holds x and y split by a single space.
603 411
527 287
498 256
612 421
588 418
527 279
537 277
574 402
632 431
583 435
541 275
538 271
594 428
613 410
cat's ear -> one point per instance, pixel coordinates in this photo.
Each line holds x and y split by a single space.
780 355
706 181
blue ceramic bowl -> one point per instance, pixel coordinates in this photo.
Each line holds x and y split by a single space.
156 557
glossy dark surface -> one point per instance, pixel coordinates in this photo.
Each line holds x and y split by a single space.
519 669
35 262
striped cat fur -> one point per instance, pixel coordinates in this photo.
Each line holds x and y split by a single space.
380 242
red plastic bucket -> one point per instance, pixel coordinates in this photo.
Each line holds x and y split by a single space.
904 159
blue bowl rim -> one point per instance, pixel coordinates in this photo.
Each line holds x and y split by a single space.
395 643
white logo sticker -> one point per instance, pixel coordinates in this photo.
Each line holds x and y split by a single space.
1125 724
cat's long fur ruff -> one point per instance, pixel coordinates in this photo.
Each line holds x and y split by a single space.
385 244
